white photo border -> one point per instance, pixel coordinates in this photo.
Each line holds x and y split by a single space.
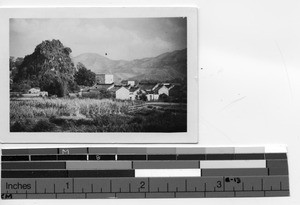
192 134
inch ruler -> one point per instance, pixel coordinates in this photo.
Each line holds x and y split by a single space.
139 172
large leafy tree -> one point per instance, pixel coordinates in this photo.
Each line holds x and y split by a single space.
14 64
50 67
83 76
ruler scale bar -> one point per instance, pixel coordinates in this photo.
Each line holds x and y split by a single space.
155 164
153 150
145 157
141 172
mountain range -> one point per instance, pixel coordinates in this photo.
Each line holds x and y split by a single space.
165 67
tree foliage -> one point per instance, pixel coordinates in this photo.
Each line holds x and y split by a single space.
83 76
49 67
143 97
14 64
163 97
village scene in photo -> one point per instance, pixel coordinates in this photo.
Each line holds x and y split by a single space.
98 75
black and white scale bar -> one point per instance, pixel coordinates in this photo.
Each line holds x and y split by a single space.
144 157
67 173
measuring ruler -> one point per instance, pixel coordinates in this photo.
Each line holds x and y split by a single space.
101 172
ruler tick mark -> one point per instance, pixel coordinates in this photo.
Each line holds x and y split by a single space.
148 185
110 187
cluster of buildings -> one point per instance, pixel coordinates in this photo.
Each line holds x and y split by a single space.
129 90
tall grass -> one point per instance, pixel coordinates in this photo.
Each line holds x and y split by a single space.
88 115
89 108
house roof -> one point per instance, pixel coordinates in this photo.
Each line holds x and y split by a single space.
158 87
176 88
101 86
115 88
169 86
150 92
146 86
37 88
133 89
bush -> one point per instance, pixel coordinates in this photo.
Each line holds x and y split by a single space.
18 127
137 119
143 97
164 98
43 126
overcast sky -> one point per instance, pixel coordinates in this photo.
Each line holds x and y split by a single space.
120 38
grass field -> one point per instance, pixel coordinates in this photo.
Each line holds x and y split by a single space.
94 115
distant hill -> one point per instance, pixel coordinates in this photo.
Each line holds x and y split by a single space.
167 66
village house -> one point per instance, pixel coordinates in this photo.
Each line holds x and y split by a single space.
104 79
122 93
147 87
133 93
151 96
43 94
161 89
35 92
131 82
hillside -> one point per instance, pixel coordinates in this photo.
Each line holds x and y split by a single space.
167 66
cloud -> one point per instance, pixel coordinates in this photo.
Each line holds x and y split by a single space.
121 38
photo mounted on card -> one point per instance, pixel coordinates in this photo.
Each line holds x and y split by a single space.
99 75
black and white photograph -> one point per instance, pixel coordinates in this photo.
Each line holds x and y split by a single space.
98 75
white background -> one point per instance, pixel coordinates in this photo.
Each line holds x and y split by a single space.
249 87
